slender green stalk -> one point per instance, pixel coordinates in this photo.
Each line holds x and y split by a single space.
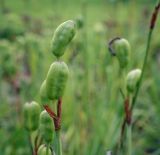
30 142
129 139
122 83
152 24
47 149
143 68
58 145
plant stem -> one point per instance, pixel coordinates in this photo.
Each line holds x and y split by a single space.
37 143
129 139
127 121
58 145
47 149
129 125
120 145
143 69
30 142
152 25
57 124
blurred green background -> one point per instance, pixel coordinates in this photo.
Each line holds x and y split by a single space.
92 105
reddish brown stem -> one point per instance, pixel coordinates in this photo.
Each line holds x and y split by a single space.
127 119
127 111
57 122
50 112
122 133
36 145
154 16
56 118
36 151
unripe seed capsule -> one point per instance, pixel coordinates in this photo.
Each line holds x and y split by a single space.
31 113
46 127
43 150
56 80
62 37
122 49
133 78
43 93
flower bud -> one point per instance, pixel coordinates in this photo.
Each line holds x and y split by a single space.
133 78
31 113
43 150
56 80
43 93
122 49
62 37
46 127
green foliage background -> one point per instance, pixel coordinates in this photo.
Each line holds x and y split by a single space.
92 105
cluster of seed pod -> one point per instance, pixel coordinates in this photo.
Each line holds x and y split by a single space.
53 86
34 120
120 48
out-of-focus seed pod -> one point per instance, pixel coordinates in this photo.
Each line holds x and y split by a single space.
43 93
46 127
99 29
79 21
31 113
56 80
62 37
122 49
133 78
8 67
43 150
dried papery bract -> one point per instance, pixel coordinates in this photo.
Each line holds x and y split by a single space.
43 150
62 37
31 113
46 127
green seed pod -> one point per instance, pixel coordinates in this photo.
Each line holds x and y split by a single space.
62 37
56 80
122 49
46 127
43 94
43 150
133 78
31 113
